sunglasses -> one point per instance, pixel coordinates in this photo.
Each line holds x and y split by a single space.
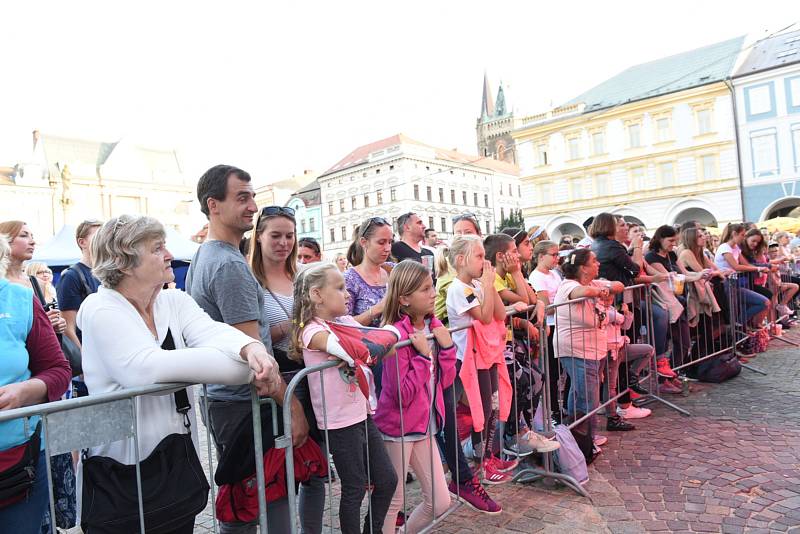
309 243
272 211
372 221
466 217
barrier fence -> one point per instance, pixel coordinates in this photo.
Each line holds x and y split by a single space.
596 367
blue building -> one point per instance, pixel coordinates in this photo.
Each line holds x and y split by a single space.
307 205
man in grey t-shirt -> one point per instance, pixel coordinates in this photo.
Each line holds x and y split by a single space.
221 283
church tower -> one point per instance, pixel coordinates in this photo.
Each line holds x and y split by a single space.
494 126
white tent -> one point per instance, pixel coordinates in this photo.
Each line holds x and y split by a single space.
61 250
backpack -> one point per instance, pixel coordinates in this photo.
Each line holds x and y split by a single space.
719 369
569 459
86 290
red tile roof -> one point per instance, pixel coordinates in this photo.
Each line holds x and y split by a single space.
361 155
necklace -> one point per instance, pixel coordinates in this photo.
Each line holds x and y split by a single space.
370 277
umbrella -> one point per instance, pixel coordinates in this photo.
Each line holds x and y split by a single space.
781 224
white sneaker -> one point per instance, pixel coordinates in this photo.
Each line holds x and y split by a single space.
599 440
632 412
539 442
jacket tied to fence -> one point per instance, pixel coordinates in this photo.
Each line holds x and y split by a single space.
700 300
407 377
485 346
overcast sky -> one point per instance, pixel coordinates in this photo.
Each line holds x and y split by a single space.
276 88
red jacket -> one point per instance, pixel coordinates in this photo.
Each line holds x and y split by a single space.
485 346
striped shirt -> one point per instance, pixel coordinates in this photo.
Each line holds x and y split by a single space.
275 314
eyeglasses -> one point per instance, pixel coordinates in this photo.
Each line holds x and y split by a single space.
272 211
309 243
48 271
380 221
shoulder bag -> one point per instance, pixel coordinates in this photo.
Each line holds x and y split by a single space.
174 487
71 351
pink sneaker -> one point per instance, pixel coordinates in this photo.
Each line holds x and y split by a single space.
504 466
492 476
664 370
473 495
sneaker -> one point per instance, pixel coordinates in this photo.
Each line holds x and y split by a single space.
599 440
669 387
540 442
518 446
492 476
618 424
632 412
637 388
473 495
504 466
664 369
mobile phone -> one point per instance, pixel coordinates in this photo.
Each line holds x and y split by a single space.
50 306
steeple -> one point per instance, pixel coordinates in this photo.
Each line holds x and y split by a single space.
500 107
487 103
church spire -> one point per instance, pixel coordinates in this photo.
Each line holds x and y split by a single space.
487 104
500 107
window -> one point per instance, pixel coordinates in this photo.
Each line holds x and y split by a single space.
392 194
662 129
333 236
666 174
487 227
634 135
379 195
441 194
366 200
796 146
464 197
703 121
759 101
377 171
452 196
429 194
391 167
764 150
475 198
416 192
354 203
546 194
639 178
443 220
486 200
344 233
709 165
576 184
792 88
303 226
519 190
574 147
330 208
509 192
502 215
541 154
312 225
601 184
341 204
598 143
430 222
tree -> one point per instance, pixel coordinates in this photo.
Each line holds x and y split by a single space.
513 220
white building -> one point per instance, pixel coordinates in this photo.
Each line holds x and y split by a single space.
655 143
767 86
398 175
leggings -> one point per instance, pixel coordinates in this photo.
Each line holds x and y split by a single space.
361 460
422 457
487 382
448 439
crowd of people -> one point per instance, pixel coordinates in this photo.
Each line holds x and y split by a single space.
594 315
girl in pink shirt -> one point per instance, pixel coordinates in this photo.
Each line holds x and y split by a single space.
320 297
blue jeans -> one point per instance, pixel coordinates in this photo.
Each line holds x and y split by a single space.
754 303
584 383
660 327
25 517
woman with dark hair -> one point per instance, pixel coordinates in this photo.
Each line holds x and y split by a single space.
366 280
273 260
729 256
581 343
308 250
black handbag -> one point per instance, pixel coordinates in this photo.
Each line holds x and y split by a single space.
71 351
18 469
174 487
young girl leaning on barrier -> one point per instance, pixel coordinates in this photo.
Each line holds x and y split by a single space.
473 301
320 297
411 406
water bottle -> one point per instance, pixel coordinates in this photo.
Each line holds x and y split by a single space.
642 339
684 386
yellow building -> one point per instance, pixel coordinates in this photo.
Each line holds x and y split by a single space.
655 143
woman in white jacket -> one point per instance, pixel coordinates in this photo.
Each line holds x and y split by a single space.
125 323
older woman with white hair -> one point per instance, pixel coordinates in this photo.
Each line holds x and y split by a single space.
32 370
136 334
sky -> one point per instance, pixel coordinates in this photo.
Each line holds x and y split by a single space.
277 88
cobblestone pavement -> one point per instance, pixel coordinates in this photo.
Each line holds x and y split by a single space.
733 466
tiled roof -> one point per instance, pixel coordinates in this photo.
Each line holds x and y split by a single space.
694 68
777 51
362 155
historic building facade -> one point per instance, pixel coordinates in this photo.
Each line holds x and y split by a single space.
307 205
66 180
767 86
656 143
494 126
397 175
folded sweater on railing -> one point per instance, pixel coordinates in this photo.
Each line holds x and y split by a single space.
485 346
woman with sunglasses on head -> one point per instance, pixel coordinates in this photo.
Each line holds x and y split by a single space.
366 280
308 250
466 224
273 260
